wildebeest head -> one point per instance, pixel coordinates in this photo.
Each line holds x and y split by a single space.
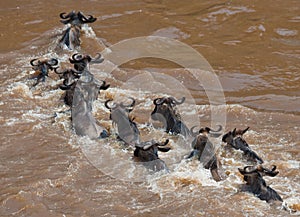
229 137
253 175
165 112
235 139
204 150
81 62
127 128
42 67
77 19
148 152
71 36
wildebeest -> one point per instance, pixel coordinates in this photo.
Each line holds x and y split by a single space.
71 76
205 151
71 36
235 139
127 128
83 120
42 67
253 175
147 152
165 112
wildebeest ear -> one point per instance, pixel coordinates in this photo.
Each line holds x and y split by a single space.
245 130
164 149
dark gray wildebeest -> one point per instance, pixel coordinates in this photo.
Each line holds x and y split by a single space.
83 121
205 151
253 175
147 153
42 68
71 36
235 139
71 76
127 128
165 112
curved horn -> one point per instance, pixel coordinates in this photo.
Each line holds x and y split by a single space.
218 130
57 72
270 172
66 86
84 19
76 58
176 102
129 105
165 143
52 62
97 59
32 62
63 16
104 86
243 171
107 106
192 131
159 101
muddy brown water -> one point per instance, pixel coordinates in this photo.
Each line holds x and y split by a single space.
46 170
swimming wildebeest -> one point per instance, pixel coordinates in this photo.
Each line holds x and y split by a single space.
83 120
42 67
147 152
205 151
127 128
71 36
253 175
71 76
235 139
165 112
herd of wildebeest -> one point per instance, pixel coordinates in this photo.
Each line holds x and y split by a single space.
82 89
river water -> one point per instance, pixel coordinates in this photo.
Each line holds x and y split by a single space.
253 48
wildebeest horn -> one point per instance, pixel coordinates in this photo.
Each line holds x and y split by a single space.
234 132
149 144
66 86
268 172
77 57
243 171
129 105
107 106
63 16
159 101
192 131
213 133
84 19
32 62
97 59
176 102
104 86
146 145
57 72
245 130
216 131
52 62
